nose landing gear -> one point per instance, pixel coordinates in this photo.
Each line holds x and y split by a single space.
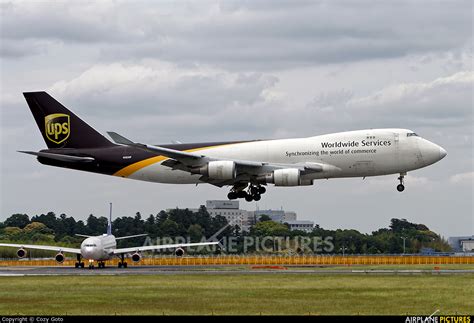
253 193
401 187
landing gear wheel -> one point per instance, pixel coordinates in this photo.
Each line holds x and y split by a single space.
78 263
122 263
401 187
91 266
232 195
253 190
241 194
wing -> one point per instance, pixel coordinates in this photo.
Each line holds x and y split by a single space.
129 237
40 247
188 158
163 246
246 170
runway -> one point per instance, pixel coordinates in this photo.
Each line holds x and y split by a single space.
211 270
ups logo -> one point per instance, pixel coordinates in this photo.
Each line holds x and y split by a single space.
57 127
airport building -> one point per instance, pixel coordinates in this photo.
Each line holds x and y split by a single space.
279 216
229 210
462 244
246 219
306 226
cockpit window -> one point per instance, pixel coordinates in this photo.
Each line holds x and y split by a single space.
90 245
412 134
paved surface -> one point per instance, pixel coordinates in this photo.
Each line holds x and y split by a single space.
223 270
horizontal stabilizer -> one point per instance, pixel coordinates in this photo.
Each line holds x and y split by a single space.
119 139
65 158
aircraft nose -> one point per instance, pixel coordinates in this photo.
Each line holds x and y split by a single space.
442 153
431 152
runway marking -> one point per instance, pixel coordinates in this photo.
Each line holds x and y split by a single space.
179 270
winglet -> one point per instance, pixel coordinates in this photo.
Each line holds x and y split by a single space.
119 139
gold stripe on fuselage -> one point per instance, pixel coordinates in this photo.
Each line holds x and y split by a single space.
130 169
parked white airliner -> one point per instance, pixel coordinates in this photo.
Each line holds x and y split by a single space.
104 247
246 166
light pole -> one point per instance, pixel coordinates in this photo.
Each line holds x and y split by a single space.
404 238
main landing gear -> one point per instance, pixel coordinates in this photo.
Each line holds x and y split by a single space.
252 193
122 262
401 187
79 263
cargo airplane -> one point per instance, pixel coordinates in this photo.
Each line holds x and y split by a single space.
246 166
102 248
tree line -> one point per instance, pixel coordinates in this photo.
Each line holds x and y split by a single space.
61 230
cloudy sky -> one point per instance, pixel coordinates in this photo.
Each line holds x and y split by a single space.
210 71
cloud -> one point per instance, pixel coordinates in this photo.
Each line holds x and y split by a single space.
170 99
443 103
463 178
163 88
202 97
12 49
243 35
326 101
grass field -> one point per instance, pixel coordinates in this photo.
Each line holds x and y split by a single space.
275 293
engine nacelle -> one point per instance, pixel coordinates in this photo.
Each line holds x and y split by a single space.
288 177
21 253
179 252
221 169
59 258
136 257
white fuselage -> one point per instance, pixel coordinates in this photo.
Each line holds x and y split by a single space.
98 248
351 154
